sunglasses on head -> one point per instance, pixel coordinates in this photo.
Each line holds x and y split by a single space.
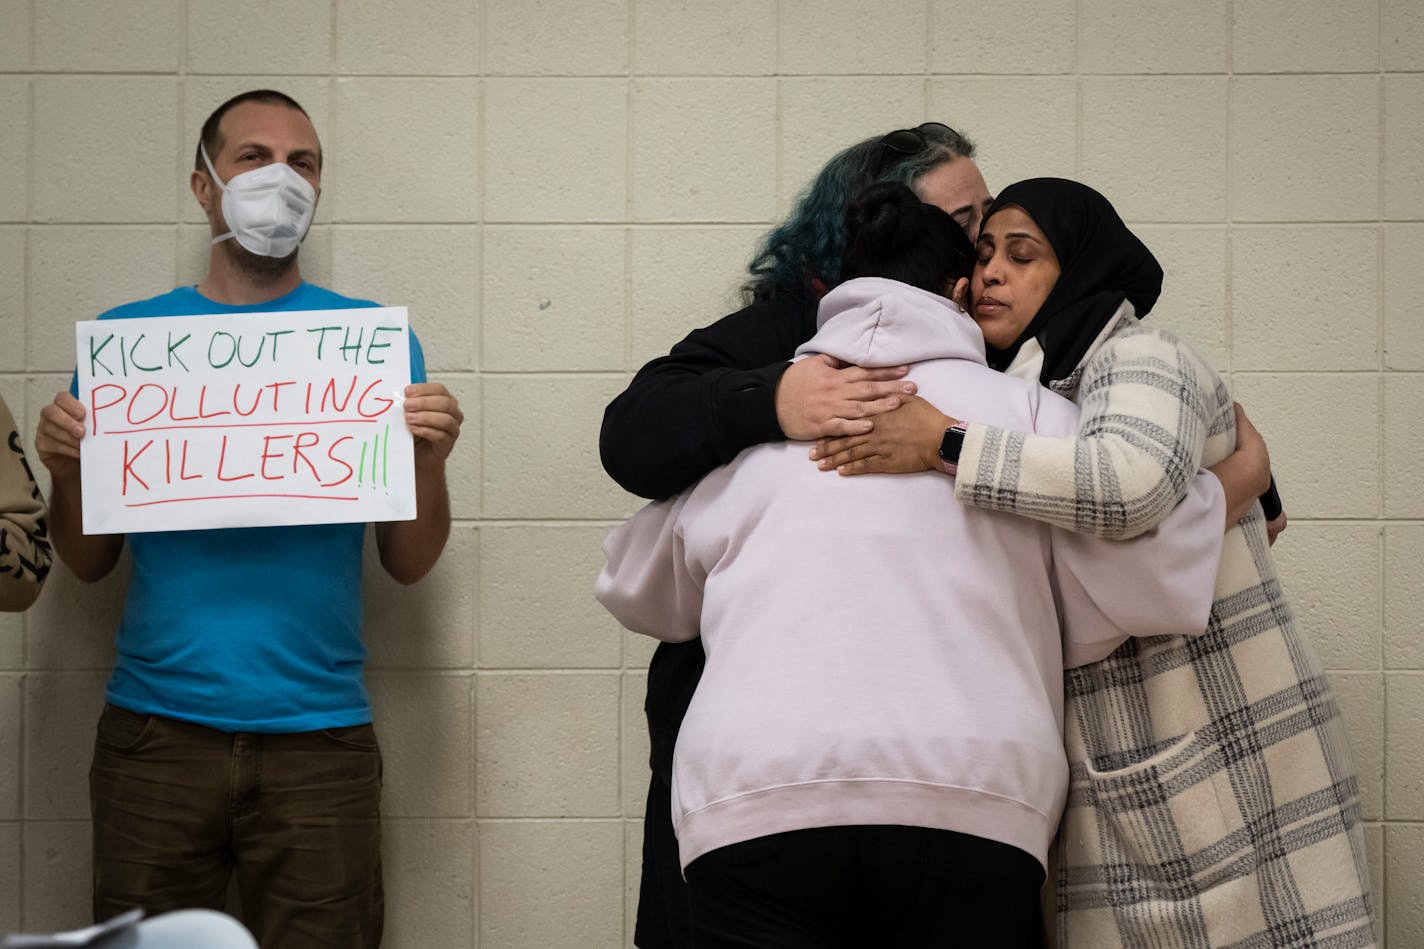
913 141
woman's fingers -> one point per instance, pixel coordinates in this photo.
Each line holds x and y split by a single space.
855 449
883 374
873 464
869 408
846 427
832 446
904 439
816 397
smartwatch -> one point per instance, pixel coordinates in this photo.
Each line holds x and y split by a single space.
951 445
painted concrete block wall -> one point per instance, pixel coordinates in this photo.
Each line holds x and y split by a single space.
559 190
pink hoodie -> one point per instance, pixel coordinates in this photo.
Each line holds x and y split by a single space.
878 653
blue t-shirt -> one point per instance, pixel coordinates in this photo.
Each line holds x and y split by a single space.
253 629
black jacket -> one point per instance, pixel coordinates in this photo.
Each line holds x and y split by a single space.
697 407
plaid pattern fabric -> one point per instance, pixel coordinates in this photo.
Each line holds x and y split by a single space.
1212 801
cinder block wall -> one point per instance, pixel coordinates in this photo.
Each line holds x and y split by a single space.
559 190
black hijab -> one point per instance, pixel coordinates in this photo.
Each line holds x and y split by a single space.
1102 264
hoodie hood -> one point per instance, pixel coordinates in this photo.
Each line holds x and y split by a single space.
873 322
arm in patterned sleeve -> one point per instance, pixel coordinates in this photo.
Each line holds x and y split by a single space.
1145 415
1160 583
25 553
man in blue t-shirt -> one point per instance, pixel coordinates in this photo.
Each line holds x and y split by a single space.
237 739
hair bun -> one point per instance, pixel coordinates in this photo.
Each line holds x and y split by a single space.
890 233
887 216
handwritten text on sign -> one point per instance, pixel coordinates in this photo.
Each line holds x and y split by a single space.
245 420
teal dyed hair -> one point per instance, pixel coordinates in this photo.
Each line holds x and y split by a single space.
807 247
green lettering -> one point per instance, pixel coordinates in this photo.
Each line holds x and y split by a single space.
274 334
94 352
173 351
322 338
261 345
375 345
354 348
133 357
230 356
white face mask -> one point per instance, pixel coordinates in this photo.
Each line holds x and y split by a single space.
269 209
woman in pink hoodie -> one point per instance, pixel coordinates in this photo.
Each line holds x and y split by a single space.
887 768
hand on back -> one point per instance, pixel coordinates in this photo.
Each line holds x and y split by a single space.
903 441
820 396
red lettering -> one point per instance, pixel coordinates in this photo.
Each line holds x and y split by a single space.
173 408
330 393
276 388
222 456
202 409
267 441
183 465
297 454
331 453
134 401
361 402
237 408
129 463
95 407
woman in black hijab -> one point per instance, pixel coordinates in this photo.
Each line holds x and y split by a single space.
1212 799
1101 264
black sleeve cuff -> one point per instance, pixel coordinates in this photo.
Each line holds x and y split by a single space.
744 405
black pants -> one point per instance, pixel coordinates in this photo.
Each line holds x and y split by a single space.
866 886
664 920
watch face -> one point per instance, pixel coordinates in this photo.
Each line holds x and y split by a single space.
951 445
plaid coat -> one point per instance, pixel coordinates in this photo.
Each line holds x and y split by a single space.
1212 800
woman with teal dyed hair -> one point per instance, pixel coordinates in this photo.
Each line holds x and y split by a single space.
722 388
802 255
729 386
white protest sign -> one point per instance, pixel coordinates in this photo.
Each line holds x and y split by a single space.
245 420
